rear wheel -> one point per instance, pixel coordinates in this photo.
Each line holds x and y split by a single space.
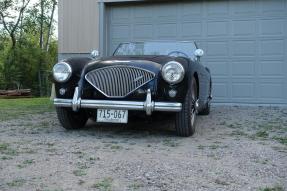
70 119
185 120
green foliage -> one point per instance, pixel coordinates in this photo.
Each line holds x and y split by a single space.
276 188
104 185
26 63
22 66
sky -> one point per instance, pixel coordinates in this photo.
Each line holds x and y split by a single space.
33 2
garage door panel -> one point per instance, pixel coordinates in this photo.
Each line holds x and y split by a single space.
217 48
220 90
272 68
272 27
277 7
143 31
165 12
244 28
244 8
166 31
121 14
244 48
142 14
218 68
244 41
243 68
243 90
217 28
271 91
272 47
191 30
218 9
191 11
120 32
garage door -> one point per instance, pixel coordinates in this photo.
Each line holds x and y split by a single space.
245 41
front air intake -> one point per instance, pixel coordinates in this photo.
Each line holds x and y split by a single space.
119 81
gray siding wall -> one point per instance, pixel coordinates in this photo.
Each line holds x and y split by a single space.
78 26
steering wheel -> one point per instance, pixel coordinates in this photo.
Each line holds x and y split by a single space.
178 54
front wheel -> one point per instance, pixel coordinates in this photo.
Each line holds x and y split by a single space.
70 119
185 120
206 109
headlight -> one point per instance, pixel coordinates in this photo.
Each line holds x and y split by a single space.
62 72
173 72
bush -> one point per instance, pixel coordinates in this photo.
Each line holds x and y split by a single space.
27 67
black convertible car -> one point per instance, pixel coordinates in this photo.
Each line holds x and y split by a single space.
142 77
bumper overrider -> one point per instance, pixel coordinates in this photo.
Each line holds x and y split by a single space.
148 105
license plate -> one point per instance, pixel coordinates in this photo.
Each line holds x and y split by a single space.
112 116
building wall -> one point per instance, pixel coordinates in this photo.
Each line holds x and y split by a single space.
78 26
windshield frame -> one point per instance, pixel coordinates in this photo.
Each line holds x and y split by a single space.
164 41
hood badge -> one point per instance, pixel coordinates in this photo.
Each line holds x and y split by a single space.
138 78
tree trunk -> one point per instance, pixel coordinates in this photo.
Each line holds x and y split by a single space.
42 25
50 26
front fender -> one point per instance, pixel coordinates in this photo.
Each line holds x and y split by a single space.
77 65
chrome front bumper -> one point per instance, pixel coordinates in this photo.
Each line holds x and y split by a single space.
148 106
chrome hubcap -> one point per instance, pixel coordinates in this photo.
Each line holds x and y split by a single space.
194 109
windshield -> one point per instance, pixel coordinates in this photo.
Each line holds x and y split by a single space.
184 49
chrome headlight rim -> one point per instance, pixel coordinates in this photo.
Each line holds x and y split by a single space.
69 69
176 64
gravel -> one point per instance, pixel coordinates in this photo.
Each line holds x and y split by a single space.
234 148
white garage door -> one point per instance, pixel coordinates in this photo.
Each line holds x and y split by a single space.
245 41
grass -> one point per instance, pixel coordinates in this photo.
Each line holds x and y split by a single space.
239 133
25 164
276 188
170 143
3 146
79 172
15 108
16 183
116 147
221 182
262 134
5 149
282 140
82 166
212 147
135 186
104 185
6 158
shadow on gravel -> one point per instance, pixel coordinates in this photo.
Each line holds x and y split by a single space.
136 128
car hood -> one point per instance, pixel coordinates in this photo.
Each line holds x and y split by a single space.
152 63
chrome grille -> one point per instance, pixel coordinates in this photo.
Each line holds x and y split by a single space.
119 81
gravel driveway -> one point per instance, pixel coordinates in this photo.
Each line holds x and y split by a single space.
235 148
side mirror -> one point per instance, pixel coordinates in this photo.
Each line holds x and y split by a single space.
95 54
198 52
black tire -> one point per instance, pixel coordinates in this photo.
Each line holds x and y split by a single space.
185 121
71 120
206 109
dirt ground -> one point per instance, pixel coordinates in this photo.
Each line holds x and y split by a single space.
234 148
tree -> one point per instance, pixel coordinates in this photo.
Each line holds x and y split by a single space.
10 22
50 25
28 47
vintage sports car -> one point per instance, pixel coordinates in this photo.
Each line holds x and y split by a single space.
140 78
